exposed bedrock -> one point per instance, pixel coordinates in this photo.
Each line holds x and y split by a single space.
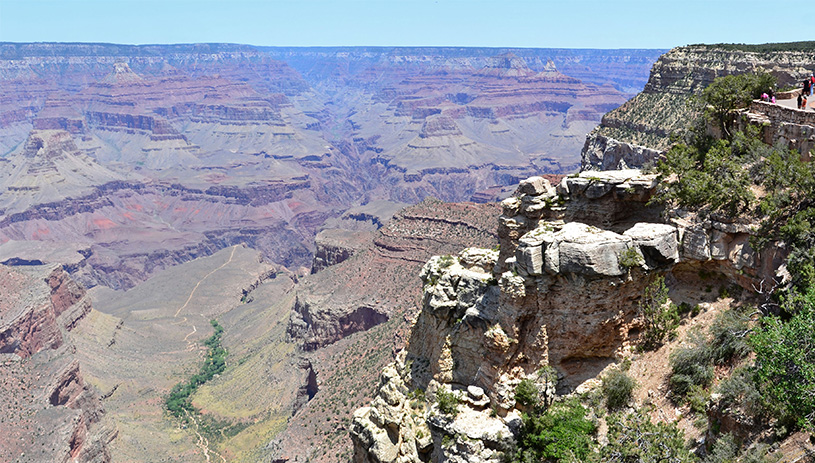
336 245
368 287
562 292
604 153
48 412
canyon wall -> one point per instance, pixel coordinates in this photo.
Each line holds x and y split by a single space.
556 304
48 411
122 160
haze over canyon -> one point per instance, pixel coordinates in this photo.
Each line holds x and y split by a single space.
146 190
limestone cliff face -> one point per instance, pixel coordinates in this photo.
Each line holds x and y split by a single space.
48 412
561 293
634 134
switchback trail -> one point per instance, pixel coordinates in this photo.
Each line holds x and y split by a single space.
202 442
202 280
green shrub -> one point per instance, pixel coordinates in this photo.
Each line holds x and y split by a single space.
697 399
447 401
691 366
729 337
714 180
787 210
526 393
561 434
446 261
630 258
785 360
617 387
728 93
760 453
739 390
634 438
724 450
660 318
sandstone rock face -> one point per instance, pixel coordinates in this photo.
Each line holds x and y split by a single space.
604 153
48 412
657 242
562 293
335 246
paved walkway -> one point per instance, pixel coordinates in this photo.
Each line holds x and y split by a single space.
793 103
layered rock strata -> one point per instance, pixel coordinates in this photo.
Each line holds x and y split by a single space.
557 303
48 412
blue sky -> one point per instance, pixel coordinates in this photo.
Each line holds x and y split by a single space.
508 23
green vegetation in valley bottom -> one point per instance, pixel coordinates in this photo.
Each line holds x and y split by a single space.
179 402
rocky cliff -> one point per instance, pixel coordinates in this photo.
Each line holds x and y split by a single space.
634 134
559 293
350 318
48 412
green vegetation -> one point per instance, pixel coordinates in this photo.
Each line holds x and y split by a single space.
728 335
634 438
561 434
179 402
629 258
446 261
728 93
785 361
526 393
711 176
661 318
691 366
718 177
447 401
788 211
726 450
617 387
740 391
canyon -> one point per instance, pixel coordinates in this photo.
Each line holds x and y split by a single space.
269 189
372 227
558 304
125 160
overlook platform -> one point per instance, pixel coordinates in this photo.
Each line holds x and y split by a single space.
782 121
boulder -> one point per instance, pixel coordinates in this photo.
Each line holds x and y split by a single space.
657 242
696 243
590 251
536 186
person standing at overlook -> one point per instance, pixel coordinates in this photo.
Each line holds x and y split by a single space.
811 84
800 99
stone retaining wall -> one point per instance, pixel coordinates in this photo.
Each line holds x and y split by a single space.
794 127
